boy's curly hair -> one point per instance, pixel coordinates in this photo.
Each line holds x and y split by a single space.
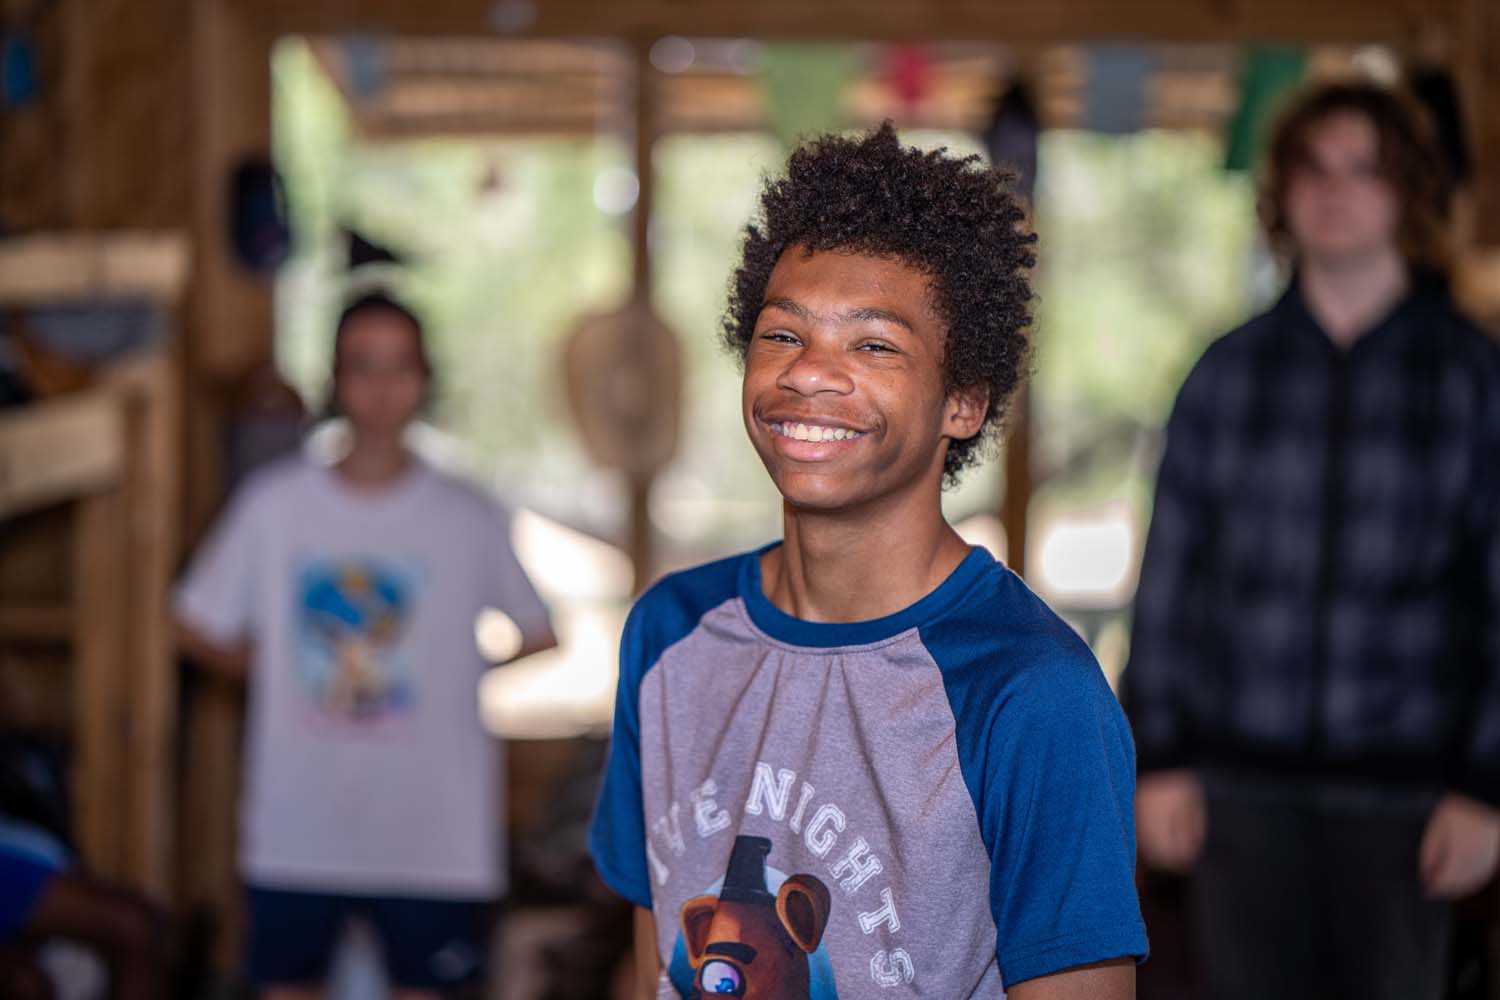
955 220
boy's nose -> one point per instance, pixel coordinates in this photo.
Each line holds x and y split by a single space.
816 370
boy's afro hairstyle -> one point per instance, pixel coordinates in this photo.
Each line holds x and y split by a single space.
953 219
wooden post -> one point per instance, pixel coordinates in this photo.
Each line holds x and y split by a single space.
641 537
1478 72
1016 501
149 698
228 328
99 630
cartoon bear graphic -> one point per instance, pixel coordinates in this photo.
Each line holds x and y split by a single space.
356 614
747 942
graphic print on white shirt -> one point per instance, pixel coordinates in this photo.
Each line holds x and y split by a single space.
352 613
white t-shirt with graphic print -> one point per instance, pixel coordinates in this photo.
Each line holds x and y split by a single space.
367 769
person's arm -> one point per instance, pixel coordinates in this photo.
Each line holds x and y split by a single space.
1165 643
1165 634
1062 851
647 964
1104 981
212 605
1461 846
227 662
517 595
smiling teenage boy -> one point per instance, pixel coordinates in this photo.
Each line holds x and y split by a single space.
867 761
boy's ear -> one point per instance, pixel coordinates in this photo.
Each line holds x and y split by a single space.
696 916
964 411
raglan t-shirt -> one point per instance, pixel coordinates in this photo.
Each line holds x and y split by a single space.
367 767
935 803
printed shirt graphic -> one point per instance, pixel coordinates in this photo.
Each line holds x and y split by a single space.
352 612
367 766
929 804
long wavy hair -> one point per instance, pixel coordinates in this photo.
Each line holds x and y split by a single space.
1409 162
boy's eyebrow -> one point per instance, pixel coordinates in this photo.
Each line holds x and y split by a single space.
862 314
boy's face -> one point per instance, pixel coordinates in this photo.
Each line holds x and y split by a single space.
1338 206
843 393
380 377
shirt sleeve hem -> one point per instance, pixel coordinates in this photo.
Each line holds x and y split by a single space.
1071 951
635 890
201 616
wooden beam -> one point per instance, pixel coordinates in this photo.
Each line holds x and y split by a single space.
1479 76
99 626
51 267
1015 501
60 450
640 542
42 624
147 393
1017 21
230 317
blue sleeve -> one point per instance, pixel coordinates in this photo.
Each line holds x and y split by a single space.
663 616
617 833
1049 761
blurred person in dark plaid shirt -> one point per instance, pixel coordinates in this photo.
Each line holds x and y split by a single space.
1316 650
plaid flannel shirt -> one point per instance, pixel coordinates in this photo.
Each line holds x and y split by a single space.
1320 589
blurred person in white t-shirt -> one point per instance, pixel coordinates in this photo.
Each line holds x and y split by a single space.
346 596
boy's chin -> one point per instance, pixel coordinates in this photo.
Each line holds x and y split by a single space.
817 493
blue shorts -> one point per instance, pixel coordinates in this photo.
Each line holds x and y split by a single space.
432 944
29 860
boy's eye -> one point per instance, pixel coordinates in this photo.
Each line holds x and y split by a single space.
875 347
778 336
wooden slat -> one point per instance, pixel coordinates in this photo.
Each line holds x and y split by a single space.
1479 75
59 450
1015 502
49 267
36 623
1016 21
147 392
100 627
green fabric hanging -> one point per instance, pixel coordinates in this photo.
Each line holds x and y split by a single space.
1270 73
805 88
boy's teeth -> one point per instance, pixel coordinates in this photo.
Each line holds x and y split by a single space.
814 433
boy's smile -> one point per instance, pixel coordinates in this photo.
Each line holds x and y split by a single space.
844 391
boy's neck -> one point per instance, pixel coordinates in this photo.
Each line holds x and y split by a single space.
850 567
1348 297
374 463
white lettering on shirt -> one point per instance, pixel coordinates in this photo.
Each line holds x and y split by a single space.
818 838
857 867
710 819
892 968
885 915
766 794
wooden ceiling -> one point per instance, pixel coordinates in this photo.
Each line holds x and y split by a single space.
1026 22
484 86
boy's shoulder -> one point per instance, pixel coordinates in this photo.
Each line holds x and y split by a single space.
672 607
1005 650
